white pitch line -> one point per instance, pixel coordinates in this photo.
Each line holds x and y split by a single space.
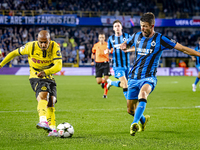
30 111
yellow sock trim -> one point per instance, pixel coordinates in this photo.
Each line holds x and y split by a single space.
42 108
51 117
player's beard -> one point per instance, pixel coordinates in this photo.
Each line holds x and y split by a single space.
146 33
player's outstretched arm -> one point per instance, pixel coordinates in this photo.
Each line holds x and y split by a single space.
186 50
9 57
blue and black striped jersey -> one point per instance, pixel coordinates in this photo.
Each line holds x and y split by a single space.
148 51
120 58
197 48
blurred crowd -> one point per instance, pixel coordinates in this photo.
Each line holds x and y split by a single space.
170 8
78 42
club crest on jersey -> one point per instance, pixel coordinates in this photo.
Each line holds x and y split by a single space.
58 53
124 39
44 88
153 43
22 48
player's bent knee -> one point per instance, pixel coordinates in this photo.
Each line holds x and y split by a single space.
99 82
130 111
43 96
143 94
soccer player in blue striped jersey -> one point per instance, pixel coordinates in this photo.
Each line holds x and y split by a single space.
142 77
197 64
121 62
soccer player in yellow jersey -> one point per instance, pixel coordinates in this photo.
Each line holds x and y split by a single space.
44 59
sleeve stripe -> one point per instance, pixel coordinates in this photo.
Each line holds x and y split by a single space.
19 51
33 48
163 43
56 58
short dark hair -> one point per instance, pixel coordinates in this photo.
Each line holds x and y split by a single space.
101 33
117 21
148 17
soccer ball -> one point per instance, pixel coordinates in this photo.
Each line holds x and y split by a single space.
65 130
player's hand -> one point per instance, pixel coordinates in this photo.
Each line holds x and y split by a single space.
106 51
92 63
193 58
123 46
41 74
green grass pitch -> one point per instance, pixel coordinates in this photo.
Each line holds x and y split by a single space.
100 123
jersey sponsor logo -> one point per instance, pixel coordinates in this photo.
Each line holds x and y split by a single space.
144 51
58 53
113 41
49 54
41 61
44 88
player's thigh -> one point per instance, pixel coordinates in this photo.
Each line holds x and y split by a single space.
124 81
43 88
99 80
133 89
145 91
147 86
198 74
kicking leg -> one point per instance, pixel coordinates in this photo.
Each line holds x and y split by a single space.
142 98
42 99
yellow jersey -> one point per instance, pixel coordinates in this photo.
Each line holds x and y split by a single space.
49 61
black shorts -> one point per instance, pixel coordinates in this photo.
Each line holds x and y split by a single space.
102 68
43 85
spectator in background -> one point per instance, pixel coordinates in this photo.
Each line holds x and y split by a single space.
182 64
173 63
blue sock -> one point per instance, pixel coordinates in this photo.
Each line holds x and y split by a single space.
139 110
115 83
125 91
142 119
196 81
